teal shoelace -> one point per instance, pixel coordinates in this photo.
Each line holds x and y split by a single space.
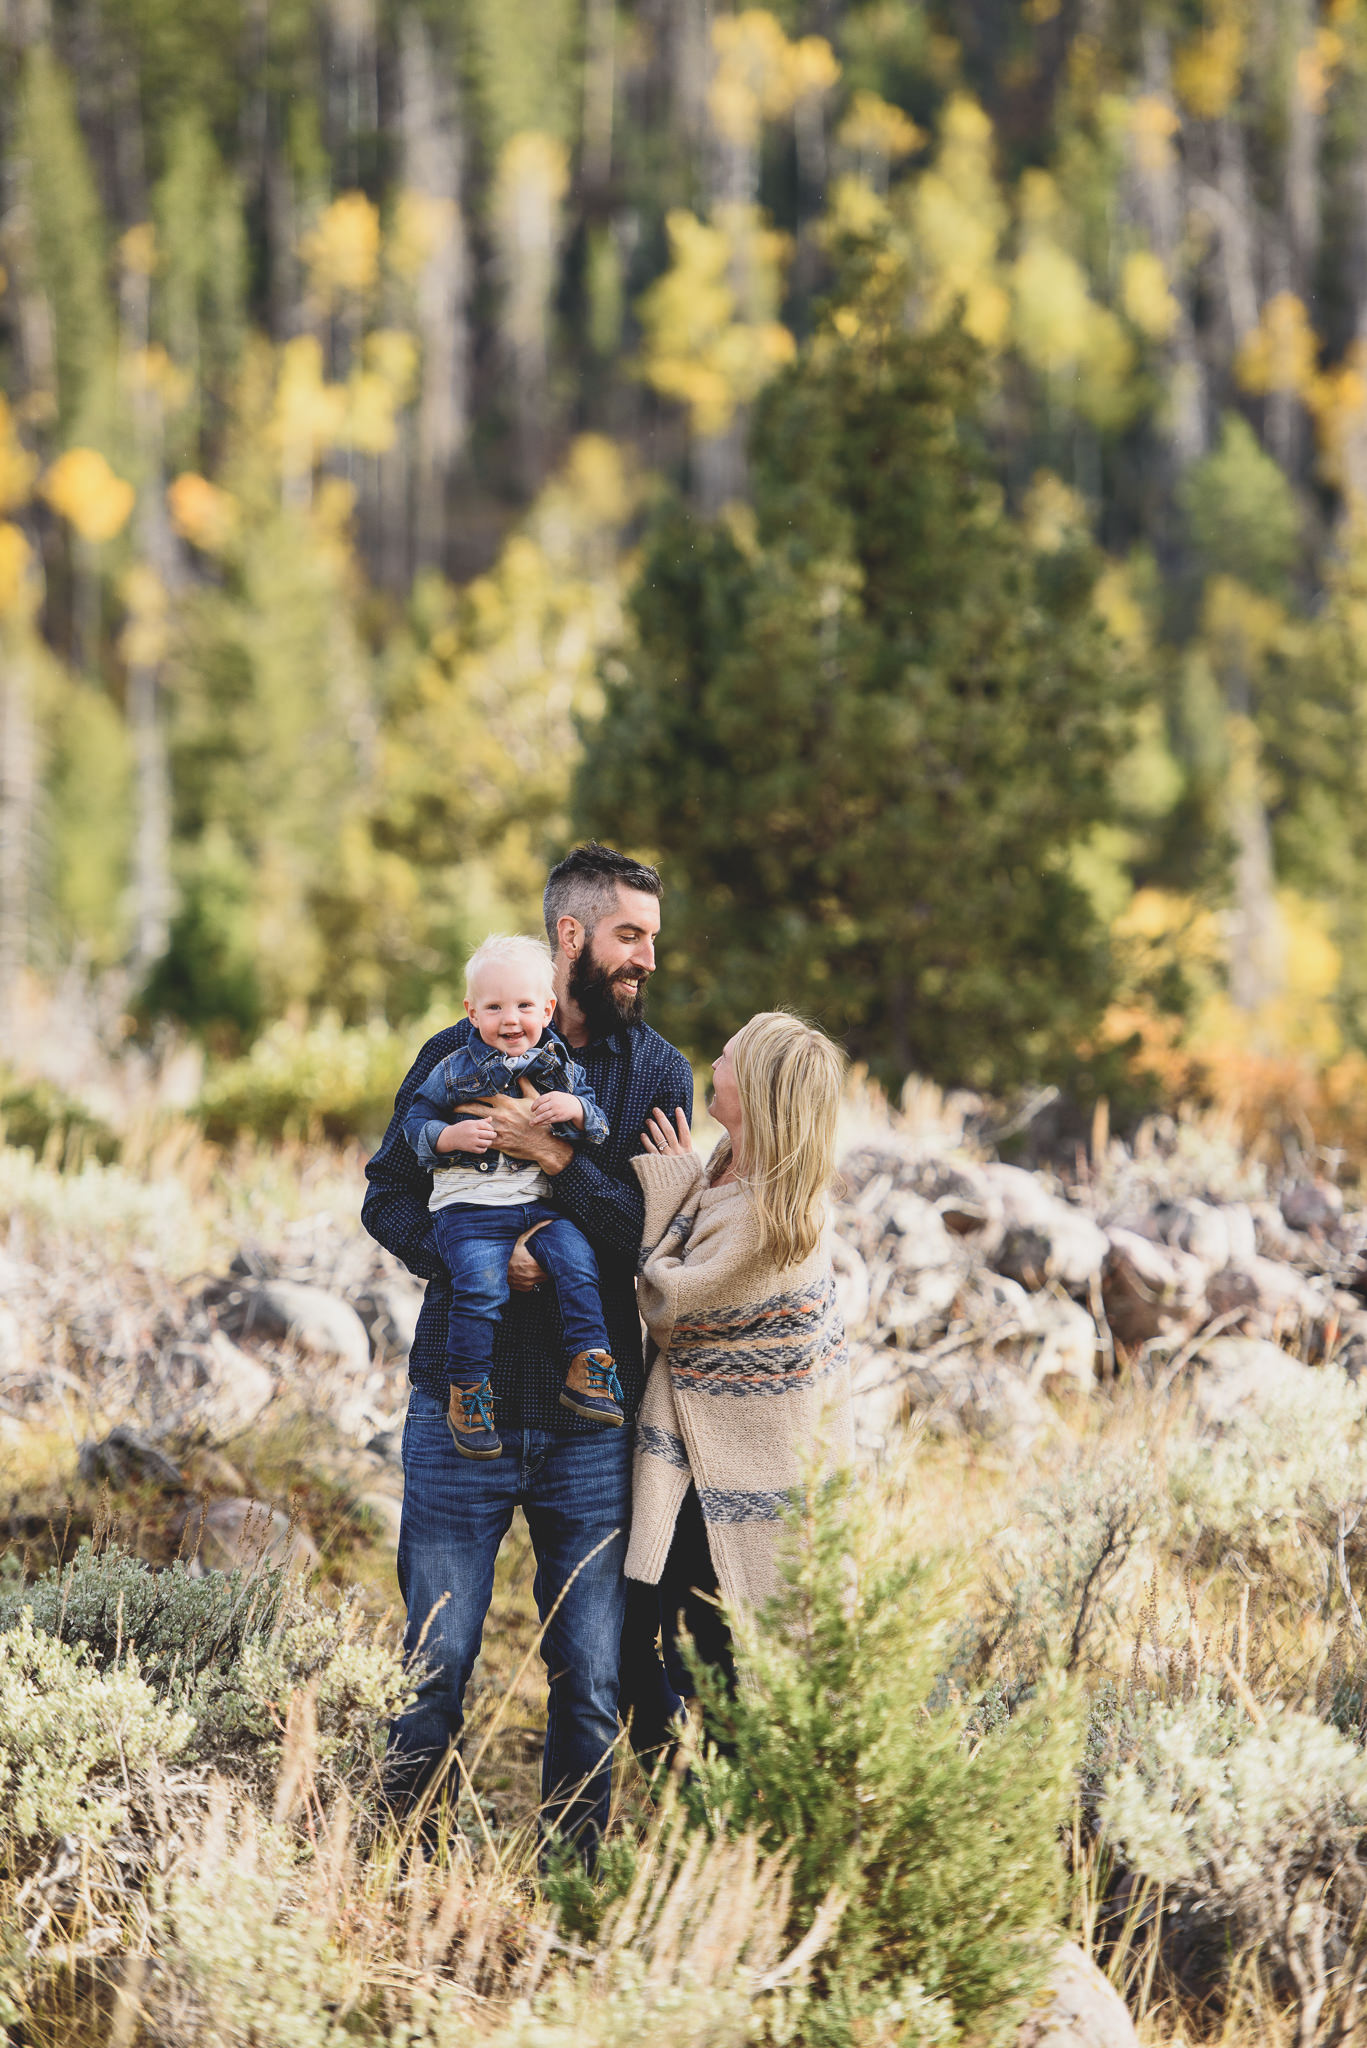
474 1402
603 1380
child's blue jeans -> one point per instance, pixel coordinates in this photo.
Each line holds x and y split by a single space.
475 1243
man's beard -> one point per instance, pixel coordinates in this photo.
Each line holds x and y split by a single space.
602 998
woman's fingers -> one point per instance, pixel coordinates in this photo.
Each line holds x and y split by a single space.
685 1135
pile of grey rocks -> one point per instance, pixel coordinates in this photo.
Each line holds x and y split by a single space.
980 1295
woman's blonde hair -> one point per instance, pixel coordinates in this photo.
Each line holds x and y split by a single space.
789 1077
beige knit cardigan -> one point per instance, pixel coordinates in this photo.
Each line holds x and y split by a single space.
751 1378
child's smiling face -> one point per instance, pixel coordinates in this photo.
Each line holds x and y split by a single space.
509 1010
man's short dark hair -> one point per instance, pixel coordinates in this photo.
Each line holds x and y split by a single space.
585 884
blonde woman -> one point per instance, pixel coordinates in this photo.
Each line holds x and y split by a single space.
750 1373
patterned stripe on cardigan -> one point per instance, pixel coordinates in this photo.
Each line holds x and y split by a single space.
729 1323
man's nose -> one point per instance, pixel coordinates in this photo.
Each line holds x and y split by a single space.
643 956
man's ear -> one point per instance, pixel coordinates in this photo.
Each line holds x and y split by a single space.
569 936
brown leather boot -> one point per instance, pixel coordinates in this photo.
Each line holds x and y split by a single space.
592 1388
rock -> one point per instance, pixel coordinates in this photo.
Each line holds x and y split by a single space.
212 1469
1081 2009
387 1444
1149 1289
316 1321
908 1314
1265 1294
241 1535
388 1512
1043 1237
921 1239
389 1311
1311 1205
878 1394
1241 1373
1066 1358
126 1458
851 1283
234 1391
1216 1235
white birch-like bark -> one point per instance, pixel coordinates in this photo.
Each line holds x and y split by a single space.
430 123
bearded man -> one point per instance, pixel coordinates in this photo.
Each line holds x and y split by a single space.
571 1478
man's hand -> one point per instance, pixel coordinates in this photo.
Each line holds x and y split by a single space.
516 1134
559 1107
523 1272
471 1134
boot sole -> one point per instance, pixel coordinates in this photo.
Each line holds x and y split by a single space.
590 1414
478 1455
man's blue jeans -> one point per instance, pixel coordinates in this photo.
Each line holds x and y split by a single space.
475 1244
575 1491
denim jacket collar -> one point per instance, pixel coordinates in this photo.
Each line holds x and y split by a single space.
486 1056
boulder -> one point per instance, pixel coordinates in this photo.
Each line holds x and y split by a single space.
389 1311
1311 1205
1043 1238
127 1458
319 1323
234 1389
920 1240
242 1535
1239 1374
851 1283
1080 2009
1065 1360
908 1314
1217 1235
878 1396
1264 1294
1149 1289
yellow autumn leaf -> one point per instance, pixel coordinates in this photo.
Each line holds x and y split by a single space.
1207 70
1279 354
760 75
14 563
201 512
342 249
1145 296
17 467
873 127
699 348
309 412
83 488
1152 123
1315 67
142 642
421 224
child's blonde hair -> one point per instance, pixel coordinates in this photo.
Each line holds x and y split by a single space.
504 949
789 1078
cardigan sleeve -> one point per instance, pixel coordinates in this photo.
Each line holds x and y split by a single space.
704 1256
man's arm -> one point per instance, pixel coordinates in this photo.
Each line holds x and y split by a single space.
395 1208
610 1209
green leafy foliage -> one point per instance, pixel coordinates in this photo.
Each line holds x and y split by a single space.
864 740
942 1840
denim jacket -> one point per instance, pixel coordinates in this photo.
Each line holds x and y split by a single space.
476 1069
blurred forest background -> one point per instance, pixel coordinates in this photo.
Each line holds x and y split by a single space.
902 465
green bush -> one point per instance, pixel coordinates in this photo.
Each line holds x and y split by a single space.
325 1079
66 1725
945 1839
41 1118
228 1650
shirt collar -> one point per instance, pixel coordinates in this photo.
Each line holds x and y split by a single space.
614 1041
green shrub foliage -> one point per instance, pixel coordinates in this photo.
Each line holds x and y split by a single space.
864 736
943 1838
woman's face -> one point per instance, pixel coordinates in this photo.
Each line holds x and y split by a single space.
726 1095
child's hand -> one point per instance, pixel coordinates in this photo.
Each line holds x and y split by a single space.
471 1134
558 1108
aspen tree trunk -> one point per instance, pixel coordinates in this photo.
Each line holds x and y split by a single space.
432 151
600 74
18 811
152 894
1161 203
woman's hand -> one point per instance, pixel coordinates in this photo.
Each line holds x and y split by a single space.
660 1135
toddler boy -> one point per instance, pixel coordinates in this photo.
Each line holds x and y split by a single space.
483 1201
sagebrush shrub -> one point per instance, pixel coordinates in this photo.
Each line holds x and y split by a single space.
71 1735
1259 1826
